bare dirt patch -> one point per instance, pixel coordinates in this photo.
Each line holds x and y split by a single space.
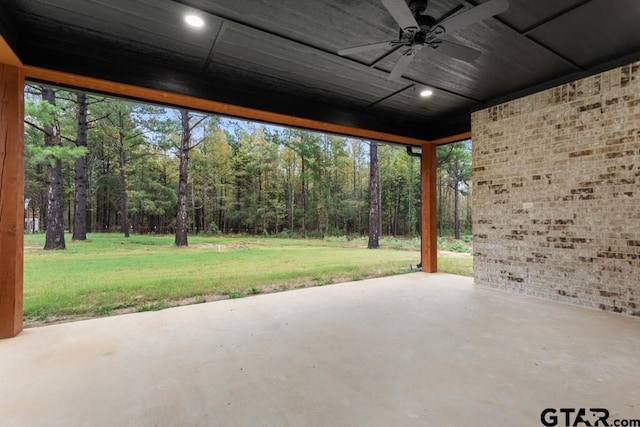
449 253
200 299
220 247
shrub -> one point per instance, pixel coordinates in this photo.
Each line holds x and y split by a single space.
213 228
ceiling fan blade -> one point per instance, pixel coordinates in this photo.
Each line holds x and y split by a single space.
385 55
401 66
401 13
364 48
458 51
475 14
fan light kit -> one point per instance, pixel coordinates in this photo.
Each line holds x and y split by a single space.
418 30
194 21
425 93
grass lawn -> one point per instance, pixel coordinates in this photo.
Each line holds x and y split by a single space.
109 274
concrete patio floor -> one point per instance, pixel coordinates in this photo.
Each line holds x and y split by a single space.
417 349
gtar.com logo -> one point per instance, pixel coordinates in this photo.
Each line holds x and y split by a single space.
587 417
570 417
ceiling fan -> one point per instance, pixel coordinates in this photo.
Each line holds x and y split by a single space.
418 30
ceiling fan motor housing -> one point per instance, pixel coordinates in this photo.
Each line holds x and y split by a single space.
426 22
418 7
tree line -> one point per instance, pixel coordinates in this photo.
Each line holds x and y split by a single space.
98 164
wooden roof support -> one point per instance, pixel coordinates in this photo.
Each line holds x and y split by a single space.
452 138
215 107
11 199
7 55
429 221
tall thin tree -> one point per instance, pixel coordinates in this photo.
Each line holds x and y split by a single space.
374 204
185 147
80 217
55 203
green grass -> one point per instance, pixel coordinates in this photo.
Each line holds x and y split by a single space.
462 266
463 245
108 273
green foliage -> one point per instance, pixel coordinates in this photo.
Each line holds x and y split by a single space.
236 293
400 184
357 277
213 228
50 155
243 177
450 245
454 188
38 113
153 306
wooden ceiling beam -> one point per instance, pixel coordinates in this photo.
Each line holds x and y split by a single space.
452 138
167 98
7 55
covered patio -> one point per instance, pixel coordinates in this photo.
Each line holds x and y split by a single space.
543 88
417 349
553 107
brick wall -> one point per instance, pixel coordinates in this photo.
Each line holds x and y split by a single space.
556 193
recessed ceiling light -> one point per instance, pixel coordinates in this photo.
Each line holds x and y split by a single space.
194 21
425 93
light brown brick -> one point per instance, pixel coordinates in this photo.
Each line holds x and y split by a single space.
556 189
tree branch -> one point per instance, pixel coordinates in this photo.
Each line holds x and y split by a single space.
97 119
37 127
110 120
202 119
73 141
65 98
35 91
191 147
135 135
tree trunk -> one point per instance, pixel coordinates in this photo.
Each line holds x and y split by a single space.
304 198
456 216
55 206
379 187
181 220
374 209
80 217
204 225
42 201
292 190
124 203
194 224
124 200
440 204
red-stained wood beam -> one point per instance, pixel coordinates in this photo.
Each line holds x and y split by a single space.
11 199
452 138
7 55
215 107
429 229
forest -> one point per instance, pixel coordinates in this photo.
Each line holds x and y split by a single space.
99 164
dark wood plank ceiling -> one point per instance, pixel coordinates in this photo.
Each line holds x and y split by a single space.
281 56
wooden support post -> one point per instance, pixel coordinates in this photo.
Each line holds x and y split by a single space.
11 198
429 221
